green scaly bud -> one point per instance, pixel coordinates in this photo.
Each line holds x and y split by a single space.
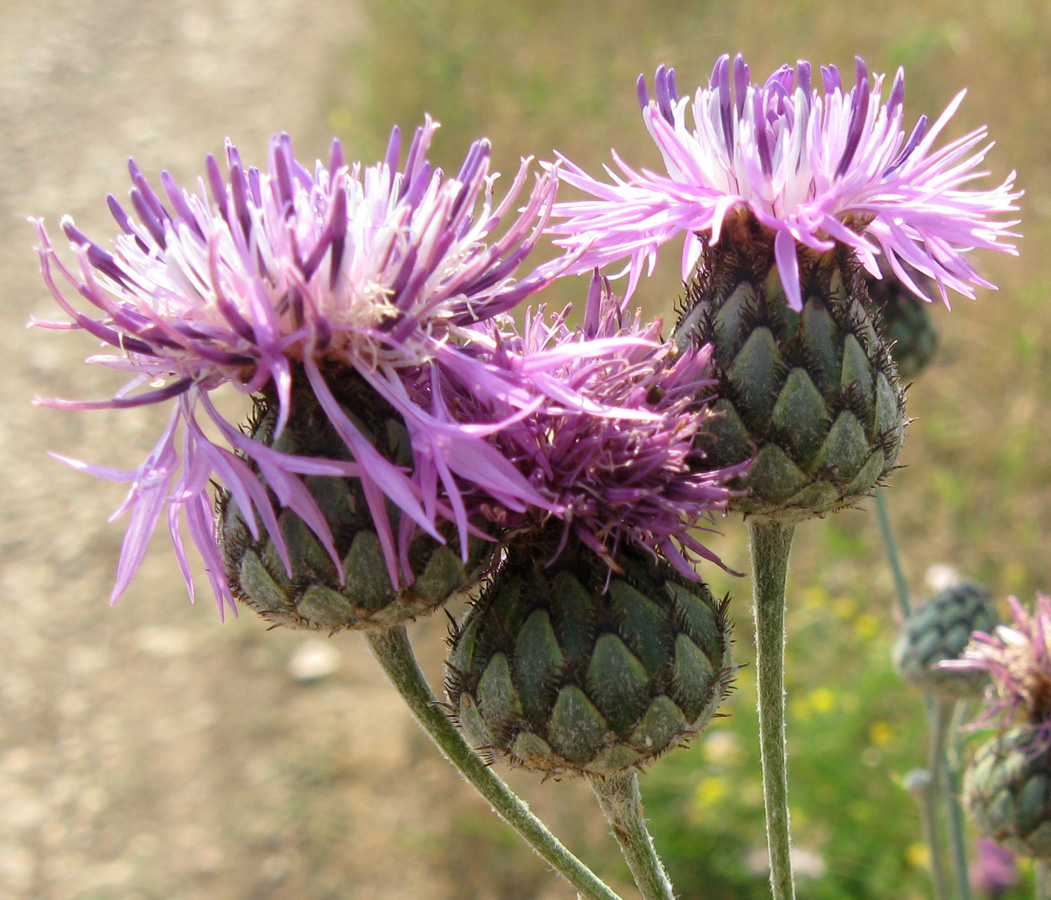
314 595
813 395
557 670
1007 790
906 324
940 630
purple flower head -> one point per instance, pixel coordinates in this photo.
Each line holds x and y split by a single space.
813 165
284 275
993 872
1017 658
616 459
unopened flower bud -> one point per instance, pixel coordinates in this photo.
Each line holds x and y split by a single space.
570 669
940 630
1007 791
904 319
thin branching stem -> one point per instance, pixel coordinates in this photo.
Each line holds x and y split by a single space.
941 788
951 791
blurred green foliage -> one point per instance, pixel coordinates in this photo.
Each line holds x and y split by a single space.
975 490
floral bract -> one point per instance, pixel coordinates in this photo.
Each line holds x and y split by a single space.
813 166
289 274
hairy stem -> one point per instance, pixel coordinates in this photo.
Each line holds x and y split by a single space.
940 715
951 791
771 544
621 803
394 653
890 546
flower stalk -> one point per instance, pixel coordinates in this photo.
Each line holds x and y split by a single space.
890 547
940 786
394 654
771 544
922 787
939 715
621 803
951 789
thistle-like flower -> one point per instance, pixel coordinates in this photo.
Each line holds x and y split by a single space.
1006 784
617 460
588 653
993 872
335 298
787 194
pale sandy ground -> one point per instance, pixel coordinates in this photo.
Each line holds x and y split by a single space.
146 751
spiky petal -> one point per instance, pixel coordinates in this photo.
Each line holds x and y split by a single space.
618 459
814 165
1017 657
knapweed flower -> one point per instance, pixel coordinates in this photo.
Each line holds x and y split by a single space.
1017 659
812 167
333 297
993 872
787 193
567 668
588 653
617 460
1005 783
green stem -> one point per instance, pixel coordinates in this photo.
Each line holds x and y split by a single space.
940 714
621 803
891 548
771 544
394 653
957 836
1043 881
942 775
921 786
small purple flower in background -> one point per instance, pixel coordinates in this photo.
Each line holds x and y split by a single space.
816 168
280 282
993 872
1018 660
617 460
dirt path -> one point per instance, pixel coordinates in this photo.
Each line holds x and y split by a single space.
147 752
